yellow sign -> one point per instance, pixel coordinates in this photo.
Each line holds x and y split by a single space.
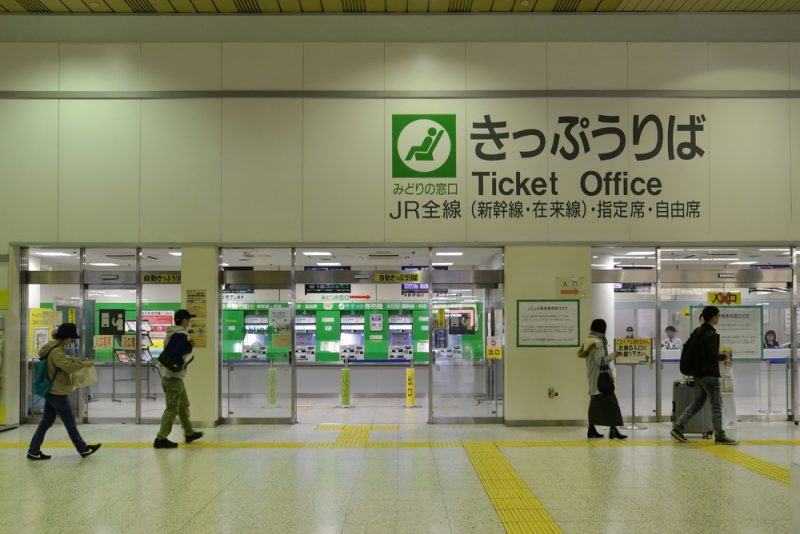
494 350
41 323
196 302
409 388
197 332
408 278
724 298
128 342
103 342
441 318
633 351
161 278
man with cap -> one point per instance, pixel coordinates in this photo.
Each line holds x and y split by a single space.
56 402
174 389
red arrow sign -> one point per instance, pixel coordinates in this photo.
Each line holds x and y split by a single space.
360 297
570 291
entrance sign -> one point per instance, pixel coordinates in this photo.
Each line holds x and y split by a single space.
633 351
741 329
548 323
724 298
571 286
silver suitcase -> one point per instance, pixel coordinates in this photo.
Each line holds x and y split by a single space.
682 397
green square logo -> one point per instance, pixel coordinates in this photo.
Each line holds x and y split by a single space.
424 146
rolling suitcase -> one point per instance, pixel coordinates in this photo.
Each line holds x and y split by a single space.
682 397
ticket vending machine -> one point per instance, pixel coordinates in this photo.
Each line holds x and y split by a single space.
401 342
351 342
305 338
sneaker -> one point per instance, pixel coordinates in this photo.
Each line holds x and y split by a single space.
725 440
678 435
91 449
38 456
164 443
194 437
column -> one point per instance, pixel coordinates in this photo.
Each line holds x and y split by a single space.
9 402
200 271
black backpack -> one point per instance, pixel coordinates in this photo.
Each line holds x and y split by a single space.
172 355
690 354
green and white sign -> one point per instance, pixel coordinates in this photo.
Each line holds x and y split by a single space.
424 146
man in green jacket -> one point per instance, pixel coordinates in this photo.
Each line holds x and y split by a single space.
56 403
174 389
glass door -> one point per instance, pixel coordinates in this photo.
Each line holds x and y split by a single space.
467 325
258 336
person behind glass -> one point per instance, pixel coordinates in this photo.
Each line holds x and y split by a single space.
603 407
56 402
672 341
706 378
629 333
771 340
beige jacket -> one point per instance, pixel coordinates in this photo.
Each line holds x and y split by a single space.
66 365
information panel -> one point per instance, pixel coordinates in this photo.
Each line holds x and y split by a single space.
548 323
740 328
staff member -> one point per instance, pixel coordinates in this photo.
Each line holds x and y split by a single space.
672 342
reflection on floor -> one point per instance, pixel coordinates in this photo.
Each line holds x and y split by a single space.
412 478
363 410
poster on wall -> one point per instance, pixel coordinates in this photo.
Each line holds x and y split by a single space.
197 333
112 322
41 324
280 326
158 321
196 302
740 328
548 323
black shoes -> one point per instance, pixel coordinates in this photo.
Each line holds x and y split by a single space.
725 440
613 433
593 433
91 449
164 443
678 435
194 437
38 456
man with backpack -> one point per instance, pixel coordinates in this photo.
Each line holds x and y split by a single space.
51 381
700 358
174 359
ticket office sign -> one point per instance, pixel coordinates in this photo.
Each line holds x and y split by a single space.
633 351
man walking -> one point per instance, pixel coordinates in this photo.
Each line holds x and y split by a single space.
177 342
702 348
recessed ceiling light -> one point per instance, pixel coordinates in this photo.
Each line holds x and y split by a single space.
442 263
329 264
449 253
317 254
101 264
175 253
226 264
52 254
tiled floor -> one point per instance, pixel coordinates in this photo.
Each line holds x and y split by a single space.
412 478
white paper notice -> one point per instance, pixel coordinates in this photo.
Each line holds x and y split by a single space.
548 323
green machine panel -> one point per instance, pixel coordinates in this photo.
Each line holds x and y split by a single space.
232 334
420 334
328 335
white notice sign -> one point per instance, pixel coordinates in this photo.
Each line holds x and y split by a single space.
548 323
739 328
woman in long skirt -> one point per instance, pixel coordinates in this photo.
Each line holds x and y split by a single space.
603 407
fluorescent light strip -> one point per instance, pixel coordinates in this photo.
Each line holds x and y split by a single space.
744 263
449 253
680 259
53 254
641 253
104 264
317 254
729 260
329 264
773 250
176 253
442 263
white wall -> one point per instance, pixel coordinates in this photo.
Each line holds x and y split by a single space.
281 170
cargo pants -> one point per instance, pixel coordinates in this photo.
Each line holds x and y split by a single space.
177 405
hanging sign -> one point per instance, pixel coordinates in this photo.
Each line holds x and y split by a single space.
128 342
494 350
169 277
724 298
409 277
441 318
103 342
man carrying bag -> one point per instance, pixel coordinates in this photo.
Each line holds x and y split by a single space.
175 358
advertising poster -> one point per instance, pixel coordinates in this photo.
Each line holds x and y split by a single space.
128 342
198 333
548 323
159 321
740 328
461 322
103 342
632 351
41 323
280 325
196 302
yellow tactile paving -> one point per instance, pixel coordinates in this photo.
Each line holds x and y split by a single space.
515 504
757 465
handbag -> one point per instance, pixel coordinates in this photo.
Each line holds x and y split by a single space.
84 378
605 382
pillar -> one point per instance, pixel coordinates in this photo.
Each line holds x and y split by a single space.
9 401
200 271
